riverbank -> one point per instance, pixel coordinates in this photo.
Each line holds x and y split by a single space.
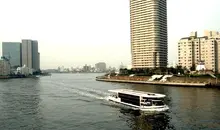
17 76
25 76
173 81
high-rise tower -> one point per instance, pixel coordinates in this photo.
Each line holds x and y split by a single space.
148 23
30 55
12 51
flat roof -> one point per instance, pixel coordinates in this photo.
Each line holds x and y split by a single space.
138 93
184 38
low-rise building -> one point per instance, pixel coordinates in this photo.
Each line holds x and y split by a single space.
5 67
24 70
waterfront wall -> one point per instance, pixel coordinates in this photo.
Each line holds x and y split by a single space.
206 80
173 81
135 78
156 83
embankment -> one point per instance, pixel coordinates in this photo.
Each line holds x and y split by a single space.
173 81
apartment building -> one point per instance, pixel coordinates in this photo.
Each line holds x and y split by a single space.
148 25
194 50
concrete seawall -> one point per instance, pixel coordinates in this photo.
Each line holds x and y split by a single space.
156 83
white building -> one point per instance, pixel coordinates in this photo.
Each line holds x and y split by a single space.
24 70
5 68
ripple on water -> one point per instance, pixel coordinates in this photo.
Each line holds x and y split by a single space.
72 101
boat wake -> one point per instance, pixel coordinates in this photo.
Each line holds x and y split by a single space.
85 91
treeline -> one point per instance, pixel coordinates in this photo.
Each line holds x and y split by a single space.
152 71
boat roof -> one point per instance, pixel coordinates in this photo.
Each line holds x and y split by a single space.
138 93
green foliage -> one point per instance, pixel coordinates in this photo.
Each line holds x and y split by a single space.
152 71
193 68
217 75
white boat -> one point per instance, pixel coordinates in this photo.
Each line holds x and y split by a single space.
139 100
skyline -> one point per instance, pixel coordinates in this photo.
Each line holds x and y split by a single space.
103 34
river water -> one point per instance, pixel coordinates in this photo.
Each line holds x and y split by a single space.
78 102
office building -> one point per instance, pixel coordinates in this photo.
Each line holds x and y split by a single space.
35 55
100 67
12 51
38 60
194 50
148 25
30 55
27 53
86 68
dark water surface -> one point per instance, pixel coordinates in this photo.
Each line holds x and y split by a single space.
78 102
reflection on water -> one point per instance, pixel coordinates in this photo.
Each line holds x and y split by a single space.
139 120
146 121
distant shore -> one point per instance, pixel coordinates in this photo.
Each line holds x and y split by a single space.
22 76
17 76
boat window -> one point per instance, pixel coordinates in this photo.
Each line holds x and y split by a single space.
157 103
148 104
131 99
149 98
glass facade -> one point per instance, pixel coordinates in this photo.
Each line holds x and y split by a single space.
12 51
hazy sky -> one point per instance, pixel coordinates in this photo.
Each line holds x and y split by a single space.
78 32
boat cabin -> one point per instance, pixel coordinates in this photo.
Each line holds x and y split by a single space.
138 98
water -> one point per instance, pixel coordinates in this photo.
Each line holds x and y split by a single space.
78 102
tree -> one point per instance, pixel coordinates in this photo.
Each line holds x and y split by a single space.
179 69
193 67
146 71
123 71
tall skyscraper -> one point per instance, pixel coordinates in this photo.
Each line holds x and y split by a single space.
27 53
38 60
12 51
35 55
148 24
30 55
